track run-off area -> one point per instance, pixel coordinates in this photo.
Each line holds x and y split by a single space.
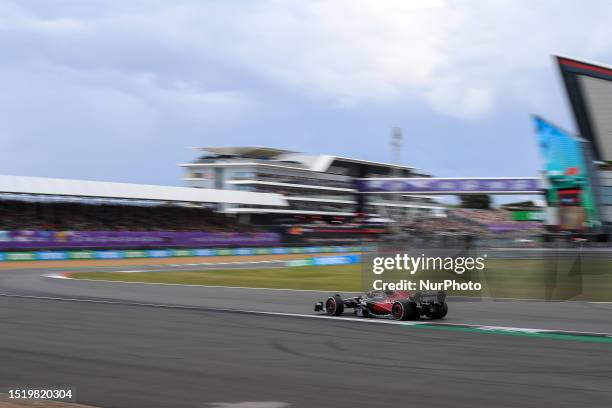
133 344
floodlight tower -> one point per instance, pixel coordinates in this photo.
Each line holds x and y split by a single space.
396 151
396 146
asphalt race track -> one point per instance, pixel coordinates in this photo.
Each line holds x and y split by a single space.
570 316
120 347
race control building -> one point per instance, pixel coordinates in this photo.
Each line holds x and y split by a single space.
315 186
589 90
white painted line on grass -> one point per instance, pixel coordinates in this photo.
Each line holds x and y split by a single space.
162 267
57 276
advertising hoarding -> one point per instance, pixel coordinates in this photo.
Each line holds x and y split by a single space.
527 185
132 239
568 176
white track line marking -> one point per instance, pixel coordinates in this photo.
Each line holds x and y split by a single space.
57 276
309 316
159 268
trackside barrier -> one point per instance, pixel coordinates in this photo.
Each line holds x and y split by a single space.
167 253
324 261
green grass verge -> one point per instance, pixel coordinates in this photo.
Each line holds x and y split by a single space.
340 278
527 279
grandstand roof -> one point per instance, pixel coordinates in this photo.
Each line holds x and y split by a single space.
315 162
102 189
589 88
246 151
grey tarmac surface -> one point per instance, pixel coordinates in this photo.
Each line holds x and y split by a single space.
567 316
131 356
121 355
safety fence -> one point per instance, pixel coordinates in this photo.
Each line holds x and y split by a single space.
168 253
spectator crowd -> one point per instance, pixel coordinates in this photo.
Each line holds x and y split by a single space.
79 216
113 216
481 223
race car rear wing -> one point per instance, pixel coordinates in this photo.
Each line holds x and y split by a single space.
429 297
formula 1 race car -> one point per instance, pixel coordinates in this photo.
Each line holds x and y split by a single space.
389 304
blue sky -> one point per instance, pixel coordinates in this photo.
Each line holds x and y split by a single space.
120 91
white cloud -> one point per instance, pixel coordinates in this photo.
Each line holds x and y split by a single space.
348 52
458 57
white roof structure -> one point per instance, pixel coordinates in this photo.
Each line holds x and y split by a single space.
245 151
102 189
314 162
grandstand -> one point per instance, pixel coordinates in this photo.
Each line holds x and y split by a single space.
485 224
41 213
316 186
47 213
109 216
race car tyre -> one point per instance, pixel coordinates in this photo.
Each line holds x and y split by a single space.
442 311
404 311
334 306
